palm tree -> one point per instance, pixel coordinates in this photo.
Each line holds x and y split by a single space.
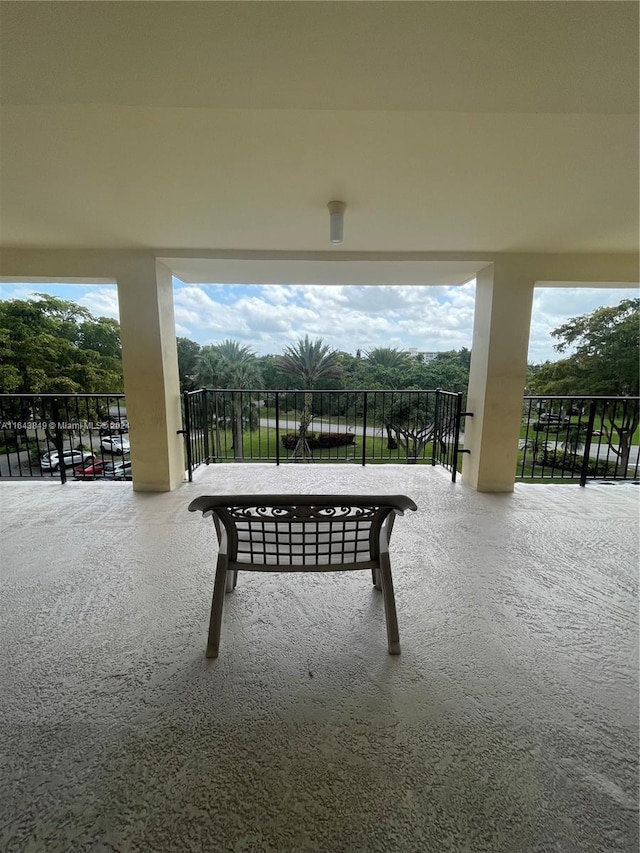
230 365
207 369
307 363
389 357
239 364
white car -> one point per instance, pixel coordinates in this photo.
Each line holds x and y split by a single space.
115 444
50 461
117 471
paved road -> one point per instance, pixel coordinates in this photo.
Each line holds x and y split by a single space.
17 465
595 450
292 425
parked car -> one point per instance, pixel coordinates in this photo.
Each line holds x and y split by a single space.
549 418
90 470
117 471
114 427
50 461
115 444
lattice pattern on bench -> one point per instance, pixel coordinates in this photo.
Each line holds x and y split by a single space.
302 536
286 533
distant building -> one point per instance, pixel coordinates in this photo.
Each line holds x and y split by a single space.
426 356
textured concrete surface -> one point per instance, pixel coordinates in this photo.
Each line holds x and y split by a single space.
509 723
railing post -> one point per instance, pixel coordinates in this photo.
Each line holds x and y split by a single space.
584 470
187 434
365 402
456 436
205 420
277 427
55 411
216 419
436 427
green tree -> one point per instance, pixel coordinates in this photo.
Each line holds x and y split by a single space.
188 352
383 367
605 363
389 357
308 363
409 418
102 337
50 345
208 367
410 422
449 370
273 377
350 369
231 366
606 356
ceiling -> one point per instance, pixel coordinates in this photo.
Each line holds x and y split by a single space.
444 126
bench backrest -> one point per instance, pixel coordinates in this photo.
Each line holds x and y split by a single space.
303 532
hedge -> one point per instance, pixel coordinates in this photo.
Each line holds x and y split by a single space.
570 462
319 440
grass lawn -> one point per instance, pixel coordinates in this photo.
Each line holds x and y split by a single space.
260 446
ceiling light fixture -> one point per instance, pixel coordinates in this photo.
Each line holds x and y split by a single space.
336 221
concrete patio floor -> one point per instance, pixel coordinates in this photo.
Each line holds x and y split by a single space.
509 722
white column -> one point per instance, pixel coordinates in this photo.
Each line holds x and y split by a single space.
150 364
497 379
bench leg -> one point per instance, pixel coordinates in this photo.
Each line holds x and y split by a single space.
393 637
232 580
377 579
215 622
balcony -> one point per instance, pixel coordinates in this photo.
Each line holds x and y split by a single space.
509 722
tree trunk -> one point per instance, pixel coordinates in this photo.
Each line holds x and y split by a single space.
624 452
302 449
630 419
392 444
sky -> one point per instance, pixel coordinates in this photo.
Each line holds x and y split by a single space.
267 318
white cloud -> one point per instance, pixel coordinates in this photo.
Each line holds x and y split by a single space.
553 306
270 317
18 291
322 297
277 294
101 301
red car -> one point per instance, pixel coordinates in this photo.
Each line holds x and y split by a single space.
90 471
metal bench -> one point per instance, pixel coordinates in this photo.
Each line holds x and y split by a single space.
302 533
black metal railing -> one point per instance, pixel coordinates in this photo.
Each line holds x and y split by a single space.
64 435
361 426
85 436
449 437
579 439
